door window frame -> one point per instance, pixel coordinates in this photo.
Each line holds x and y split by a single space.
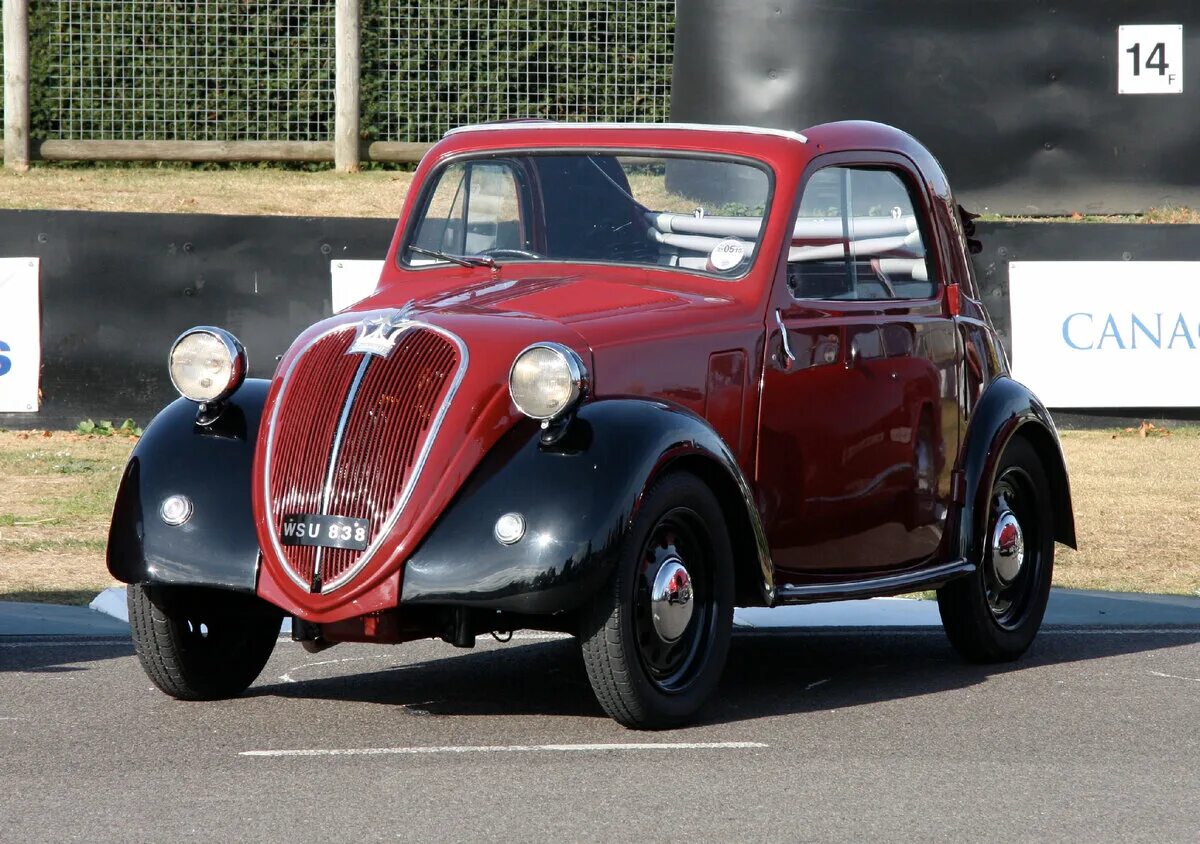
910 176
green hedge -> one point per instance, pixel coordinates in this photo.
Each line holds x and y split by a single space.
167 70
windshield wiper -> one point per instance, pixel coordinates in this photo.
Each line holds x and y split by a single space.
461 260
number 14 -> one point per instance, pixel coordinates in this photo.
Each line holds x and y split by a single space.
1160 50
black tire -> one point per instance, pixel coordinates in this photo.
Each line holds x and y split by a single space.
640 679
990 617
201 645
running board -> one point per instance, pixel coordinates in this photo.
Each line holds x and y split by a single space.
875 587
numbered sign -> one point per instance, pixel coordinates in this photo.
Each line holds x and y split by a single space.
1150 59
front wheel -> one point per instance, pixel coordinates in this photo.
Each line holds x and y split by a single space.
993 615
198 644
655 639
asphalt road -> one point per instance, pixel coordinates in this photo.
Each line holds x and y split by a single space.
845 735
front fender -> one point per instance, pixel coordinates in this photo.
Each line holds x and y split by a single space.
1008 409
578 498
211 465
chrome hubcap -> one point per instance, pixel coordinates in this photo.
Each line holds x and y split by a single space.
1008 548
671 600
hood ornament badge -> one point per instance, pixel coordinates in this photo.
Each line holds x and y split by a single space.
379 335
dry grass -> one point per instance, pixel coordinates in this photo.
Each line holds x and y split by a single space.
1136 506
56 494
1153 215
1137 511
325 193
322 193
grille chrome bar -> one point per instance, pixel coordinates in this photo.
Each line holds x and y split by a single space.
338 434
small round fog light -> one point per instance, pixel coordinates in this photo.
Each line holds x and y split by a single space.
510 528
175 509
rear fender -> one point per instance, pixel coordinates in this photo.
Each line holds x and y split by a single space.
1009 409
578 498
212 466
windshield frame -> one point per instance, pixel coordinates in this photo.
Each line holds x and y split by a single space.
431 181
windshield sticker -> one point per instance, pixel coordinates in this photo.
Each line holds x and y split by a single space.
726 255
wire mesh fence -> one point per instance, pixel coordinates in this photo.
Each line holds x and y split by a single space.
443 63
192 70
216 70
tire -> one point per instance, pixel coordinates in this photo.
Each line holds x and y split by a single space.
994 614
650 673
197 644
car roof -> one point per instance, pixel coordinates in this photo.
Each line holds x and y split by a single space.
525 125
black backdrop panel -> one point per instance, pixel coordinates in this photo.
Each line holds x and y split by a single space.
1016 98
1004 243
117 289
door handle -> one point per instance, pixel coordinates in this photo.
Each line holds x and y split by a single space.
783 334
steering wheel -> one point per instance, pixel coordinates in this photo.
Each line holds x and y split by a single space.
503 252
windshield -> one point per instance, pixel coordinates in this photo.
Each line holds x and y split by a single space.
700 214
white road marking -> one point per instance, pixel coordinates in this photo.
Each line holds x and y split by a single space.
510 748
1175 677
816 683
287 676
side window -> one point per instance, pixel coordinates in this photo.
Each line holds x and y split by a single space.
858 236
475 207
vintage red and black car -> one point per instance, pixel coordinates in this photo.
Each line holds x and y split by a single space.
615 380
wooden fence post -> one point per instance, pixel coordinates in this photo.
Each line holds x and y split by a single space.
346 86
16 85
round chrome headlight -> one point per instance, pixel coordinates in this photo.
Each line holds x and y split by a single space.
207 364
547 379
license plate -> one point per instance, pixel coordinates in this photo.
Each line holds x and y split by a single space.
326 531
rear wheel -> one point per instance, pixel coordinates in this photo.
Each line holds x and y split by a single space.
655 639
198 644
993 615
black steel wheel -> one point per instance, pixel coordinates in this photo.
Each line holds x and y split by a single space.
993 615
201 644
655 639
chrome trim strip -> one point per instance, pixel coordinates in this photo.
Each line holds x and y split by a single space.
280 554
812 592
334 453
691 127
418 465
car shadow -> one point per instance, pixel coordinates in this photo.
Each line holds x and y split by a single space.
52 655
780 673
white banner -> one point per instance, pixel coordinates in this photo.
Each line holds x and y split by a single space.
351 281
20 335
1107 333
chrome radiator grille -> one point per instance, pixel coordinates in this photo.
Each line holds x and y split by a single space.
348 434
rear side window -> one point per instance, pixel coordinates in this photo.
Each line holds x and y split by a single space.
859 235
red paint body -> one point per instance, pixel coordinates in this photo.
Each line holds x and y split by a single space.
849 450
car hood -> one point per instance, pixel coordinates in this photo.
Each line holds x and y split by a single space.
588 305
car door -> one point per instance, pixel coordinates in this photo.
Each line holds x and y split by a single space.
858 425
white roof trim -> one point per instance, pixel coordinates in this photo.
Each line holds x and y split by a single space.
697 127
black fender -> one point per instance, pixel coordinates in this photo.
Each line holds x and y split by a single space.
578 497
1008 409
212 465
